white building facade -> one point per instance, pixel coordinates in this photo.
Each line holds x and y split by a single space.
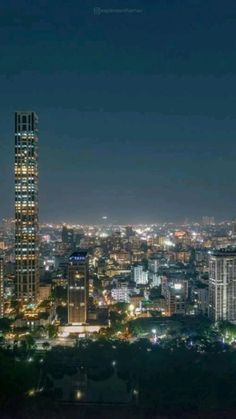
222 285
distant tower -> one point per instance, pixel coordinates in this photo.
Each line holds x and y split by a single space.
234 228
222 285
64 235
1 287
67 236
26 206
129 232
208 221
78 284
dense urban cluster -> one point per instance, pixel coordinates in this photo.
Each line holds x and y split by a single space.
142 290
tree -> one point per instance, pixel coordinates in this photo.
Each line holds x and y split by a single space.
5 325
62 314
117 321
227 330
38 332
30 342
52 331
97 283
59 293
46 345
15 305
27 346
155 293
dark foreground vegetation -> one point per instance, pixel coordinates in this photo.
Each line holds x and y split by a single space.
164 381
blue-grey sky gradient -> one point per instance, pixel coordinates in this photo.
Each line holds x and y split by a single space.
137 110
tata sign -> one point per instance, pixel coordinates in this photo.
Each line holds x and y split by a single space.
78 258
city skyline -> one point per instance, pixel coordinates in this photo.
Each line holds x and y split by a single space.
117 209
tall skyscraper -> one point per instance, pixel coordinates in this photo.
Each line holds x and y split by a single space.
26 206
1 287
78 284
222 285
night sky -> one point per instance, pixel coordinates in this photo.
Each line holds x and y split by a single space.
137 108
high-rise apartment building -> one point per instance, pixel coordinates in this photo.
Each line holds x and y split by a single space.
153 266
222 285
78 284
1 287
140 275
26 206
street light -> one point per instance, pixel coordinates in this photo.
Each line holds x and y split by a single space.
154 331
31 392
79 395
131 309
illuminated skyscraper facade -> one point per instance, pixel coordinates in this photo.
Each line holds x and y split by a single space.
222 285
26 206
1 287
78 283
